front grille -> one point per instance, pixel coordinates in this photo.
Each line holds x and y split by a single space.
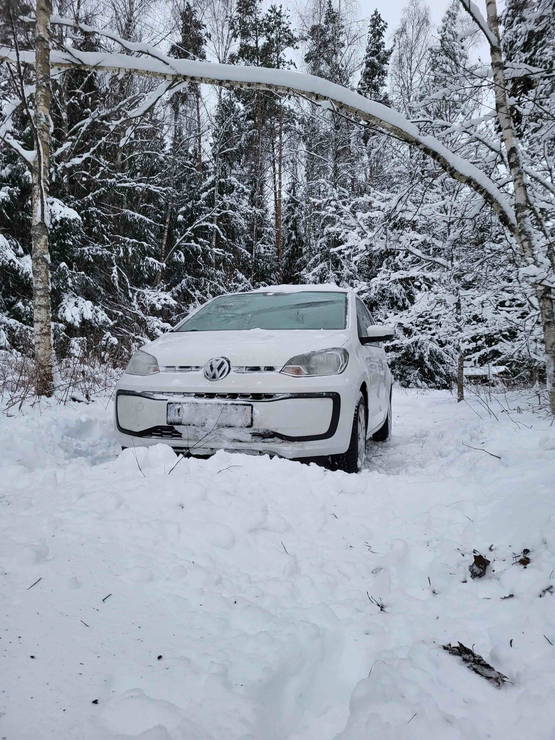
162 432
241 369
181 368
175 395
237 396
254 369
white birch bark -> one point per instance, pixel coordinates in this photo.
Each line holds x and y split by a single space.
522 205
42 315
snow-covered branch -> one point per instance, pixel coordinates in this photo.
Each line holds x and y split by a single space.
6 125
152 63
474 12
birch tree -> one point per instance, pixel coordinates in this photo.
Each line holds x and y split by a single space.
42 312
534 240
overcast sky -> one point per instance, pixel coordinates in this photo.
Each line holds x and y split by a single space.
390 10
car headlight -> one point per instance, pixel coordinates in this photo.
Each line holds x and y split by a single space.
141 363
324 362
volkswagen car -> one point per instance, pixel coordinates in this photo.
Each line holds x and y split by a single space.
295 371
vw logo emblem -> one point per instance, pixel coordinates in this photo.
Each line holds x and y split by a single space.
217 368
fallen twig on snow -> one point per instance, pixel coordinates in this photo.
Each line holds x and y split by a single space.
477 664
546 590
197 443
34 584
228 468
481 449
377 602
137 460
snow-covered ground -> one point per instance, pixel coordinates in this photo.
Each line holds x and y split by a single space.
239 597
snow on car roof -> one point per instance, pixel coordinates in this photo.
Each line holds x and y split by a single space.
327 287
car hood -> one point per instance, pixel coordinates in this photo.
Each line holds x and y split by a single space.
253 347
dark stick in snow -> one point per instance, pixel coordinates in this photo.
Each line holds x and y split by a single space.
481 449
377 602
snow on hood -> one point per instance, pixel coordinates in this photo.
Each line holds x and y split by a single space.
252 347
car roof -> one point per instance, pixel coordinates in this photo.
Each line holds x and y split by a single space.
322 287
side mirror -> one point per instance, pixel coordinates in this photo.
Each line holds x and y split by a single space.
377 333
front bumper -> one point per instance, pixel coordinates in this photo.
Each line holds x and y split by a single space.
286 421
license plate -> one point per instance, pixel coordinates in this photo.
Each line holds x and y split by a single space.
210 415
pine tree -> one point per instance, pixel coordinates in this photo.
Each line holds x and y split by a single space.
264 39
329 166
374 69
448 60
326 43
293 241
372 85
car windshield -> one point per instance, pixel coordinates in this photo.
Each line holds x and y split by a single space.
298 310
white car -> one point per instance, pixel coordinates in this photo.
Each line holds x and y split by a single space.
296 371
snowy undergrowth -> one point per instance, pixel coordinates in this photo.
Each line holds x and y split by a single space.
239 597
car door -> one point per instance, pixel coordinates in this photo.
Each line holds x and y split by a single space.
375 360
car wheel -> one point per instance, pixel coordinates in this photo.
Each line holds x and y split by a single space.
385 430
353 460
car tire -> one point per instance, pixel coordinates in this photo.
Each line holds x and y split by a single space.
384 431
353 460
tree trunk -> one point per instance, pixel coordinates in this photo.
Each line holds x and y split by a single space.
166 235
279 197
460 355
199 128
521 198
42 312
460 377
547 313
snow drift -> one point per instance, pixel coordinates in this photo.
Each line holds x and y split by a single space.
241 597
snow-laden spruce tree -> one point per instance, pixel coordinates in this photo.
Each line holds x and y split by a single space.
373 78
293 235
